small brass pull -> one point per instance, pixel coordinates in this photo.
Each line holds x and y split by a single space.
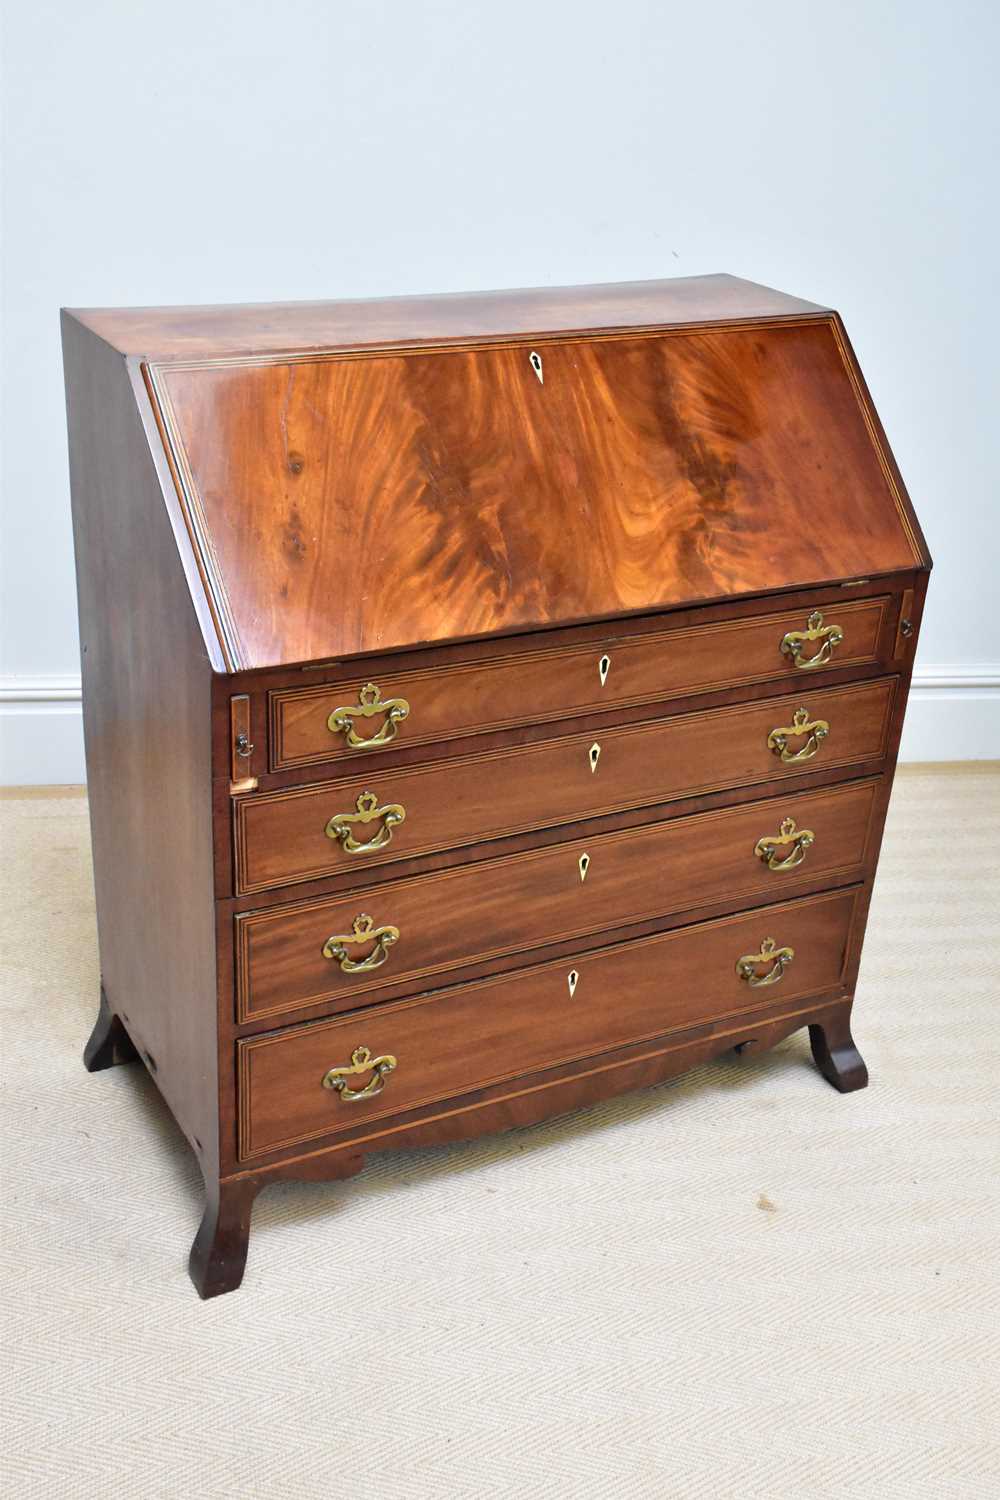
767 848
370 703
816 729
368 810
778 958
361 1062
362 931
795 641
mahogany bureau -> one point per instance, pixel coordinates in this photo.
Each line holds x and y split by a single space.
491 704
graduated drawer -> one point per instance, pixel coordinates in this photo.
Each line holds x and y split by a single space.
281 837
477 1035
309 954
447 703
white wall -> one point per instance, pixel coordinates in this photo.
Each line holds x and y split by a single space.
201 151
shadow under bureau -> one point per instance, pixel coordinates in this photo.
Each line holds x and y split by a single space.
491 705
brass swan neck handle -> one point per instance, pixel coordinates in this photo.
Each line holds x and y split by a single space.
370 702
363 930
341 825
778 958
361 1062
816 731
796 841
793 643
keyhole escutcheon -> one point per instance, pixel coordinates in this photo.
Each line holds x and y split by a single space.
535 361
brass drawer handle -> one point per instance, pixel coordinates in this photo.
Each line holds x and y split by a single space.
816 729
795 641
767 848
361 1062
370 703
778 958
368 810
362 931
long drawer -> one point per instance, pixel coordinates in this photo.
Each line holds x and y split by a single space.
334 950
304 833
328 1076
320 723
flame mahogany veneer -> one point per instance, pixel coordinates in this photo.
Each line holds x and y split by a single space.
491 705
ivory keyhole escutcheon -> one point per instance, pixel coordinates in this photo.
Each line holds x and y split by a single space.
584 863
603 668
535 361
594 755
572 979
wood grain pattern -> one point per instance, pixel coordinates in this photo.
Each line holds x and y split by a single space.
446 703
836 1055
274 505
219 1252
482 911
146 712
346 505
473 1036
268 327
489 653
281 838
534 1096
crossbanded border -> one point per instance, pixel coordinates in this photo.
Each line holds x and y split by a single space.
953 714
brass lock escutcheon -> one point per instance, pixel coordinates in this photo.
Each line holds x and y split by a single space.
816 730
361 1062
778 958
368 811
794 643
769 848
370 702
362 931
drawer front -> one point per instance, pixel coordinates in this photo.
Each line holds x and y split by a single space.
314 724
281 837
318 953
397 1057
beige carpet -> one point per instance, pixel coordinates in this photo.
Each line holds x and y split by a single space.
737 1284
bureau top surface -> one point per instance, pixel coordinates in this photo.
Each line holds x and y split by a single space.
366 477
276 327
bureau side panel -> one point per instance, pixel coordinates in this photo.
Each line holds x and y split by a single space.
147 717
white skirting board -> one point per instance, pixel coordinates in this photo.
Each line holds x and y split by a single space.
953 714
41 732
